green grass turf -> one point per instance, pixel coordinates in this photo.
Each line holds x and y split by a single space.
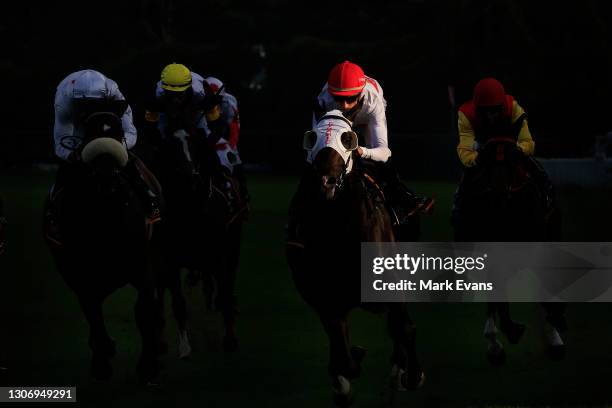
283 355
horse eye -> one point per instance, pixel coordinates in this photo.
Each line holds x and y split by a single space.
331 180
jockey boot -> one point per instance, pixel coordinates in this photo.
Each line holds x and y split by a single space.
402 201
149 199
405 203
67 174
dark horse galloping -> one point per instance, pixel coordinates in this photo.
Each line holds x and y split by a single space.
343 209
203 220
105 242
502 202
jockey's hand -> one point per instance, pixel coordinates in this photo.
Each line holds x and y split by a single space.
359 151
74 156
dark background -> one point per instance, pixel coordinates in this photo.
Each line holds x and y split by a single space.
554 57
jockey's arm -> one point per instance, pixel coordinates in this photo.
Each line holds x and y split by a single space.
465 149
379 146
127 121
525 141
234 126
63 130
128 128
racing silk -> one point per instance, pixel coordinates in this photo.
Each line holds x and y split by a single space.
197 97
472 133
68 132
369 120
227 127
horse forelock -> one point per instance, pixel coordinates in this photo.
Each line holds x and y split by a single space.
329 162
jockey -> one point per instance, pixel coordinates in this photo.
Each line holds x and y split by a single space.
178 96
223 124
360 99
77 97
493 113
185 100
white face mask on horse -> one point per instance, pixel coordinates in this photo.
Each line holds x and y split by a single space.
335 131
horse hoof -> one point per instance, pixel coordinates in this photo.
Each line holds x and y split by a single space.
496 358
101 368
148 371
343 401
343 396
556 353
514 332
230 344
358 353
412 381
184 347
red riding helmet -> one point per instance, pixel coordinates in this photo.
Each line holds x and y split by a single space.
346 79
489 92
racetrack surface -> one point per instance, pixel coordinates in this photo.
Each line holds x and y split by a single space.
282 361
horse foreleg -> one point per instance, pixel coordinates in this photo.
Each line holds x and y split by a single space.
225 274
179 309
495 350
406 373
342 367
100 343
162 345
513 330
555 325
146 314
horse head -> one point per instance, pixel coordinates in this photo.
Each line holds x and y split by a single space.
103 149
330 147
500 159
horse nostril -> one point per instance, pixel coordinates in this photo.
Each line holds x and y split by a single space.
331 180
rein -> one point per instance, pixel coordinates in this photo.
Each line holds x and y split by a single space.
340 180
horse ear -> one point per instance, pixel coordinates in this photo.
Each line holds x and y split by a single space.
349 140
310 140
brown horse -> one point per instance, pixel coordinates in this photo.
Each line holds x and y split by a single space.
502 202
342 210
202 223
105 242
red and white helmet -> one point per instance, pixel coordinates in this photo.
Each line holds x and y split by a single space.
346 79
215 85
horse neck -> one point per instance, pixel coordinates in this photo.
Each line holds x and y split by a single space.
354 214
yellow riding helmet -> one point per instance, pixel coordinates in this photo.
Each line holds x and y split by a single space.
175 77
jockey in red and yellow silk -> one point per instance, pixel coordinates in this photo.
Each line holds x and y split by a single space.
491 113
494 114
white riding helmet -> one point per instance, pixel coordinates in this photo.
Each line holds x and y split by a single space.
90 84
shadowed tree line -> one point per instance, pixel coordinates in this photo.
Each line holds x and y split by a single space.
554 57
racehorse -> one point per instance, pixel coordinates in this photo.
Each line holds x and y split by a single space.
105 242
502 202
203 219
342 209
